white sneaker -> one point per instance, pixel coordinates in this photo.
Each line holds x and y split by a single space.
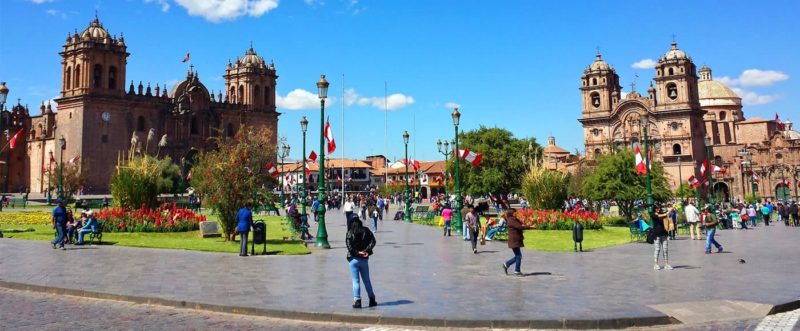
656 267
668 267
488 239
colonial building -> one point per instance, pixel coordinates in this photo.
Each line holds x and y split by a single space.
682 110
97 117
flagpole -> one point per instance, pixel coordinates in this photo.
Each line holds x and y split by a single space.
342 152
385 133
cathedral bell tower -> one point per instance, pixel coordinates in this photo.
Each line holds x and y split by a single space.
600 88
251 82
93 62
676 81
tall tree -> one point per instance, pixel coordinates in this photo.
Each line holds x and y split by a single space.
615 178
502 168
545 189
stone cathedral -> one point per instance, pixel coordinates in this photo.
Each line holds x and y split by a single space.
98 116
683 109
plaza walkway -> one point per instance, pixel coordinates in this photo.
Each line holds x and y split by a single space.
421 278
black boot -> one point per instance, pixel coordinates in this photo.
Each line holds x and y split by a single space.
357 304
372 302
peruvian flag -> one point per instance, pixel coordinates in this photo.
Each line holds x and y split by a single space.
413 163
755 178
308 169
470 156
703 167
338 179
272 170
52 158
74 159
641 168
705 182
692 182
786 182
13 141
716 168
186 59
312 157
329 136
780 123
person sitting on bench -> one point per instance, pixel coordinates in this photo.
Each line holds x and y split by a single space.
89 227
496 227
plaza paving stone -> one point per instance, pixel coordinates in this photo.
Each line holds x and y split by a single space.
421 278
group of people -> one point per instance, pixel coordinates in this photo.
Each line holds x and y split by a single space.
69 229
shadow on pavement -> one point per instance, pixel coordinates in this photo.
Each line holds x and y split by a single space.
395 303
688 267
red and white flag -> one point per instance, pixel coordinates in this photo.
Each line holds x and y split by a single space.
13 141
74 159
308 169
641 168
470 156
329 137
705 181
186 59
716 168
703 167
692 182
338 179
780 123
52 158
312 157
272 170
413 163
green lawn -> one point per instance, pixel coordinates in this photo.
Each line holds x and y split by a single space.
561 240
276 231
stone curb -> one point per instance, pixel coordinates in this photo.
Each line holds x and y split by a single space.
611 323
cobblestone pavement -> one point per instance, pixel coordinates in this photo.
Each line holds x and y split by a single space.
419 275
22 310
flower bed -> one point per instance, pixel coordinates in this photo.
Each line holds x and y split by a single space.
162 219
558 220
25 218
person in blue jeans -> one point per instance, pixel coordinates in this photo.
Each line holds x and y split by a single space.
360 242
710 221
244 222
515 242
60 224
89 227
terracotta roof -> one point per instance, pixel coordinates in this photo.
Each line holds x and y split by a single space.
555 150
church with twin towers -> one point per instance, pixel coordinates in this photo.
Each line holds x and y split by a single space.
101 108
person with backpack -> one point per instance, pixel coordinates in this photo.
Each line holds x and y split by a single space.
360 242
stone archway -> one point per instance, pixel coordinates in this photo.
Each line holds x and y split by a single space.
722 192
782 192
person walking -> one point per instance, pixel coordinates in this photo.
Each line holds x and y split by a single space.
515 242
245 221
793 211
673 218
751 214
60 224
662 226
765 213
348 211
447 216
693 218
360 242
710 221
473 225
373 216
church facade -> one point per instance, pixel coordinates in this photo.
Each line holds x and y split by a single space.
684 112
98 117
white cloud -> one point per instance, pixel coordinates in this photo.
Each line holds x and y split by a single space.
755 77
451 105
163 3
644 64
39 2
750 98
298 99
727 80
393 102
221 10
56 13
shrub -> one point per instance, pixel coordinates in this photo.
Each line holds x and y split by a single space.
614 221
140 178
544 188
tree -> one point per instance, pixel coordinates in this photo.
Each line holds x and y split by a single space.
688 191
74 178
544 188
235 173
502 167
615 178
577 179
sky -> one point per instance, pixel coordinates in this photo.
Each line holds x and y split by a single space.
508 64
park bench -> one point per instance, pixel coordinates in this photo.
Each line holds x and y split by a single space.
88 204
267 209
420 212
636 232
97 233
16 202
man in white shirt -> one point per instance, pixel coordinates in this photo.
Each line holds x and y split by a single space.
348 211
693 218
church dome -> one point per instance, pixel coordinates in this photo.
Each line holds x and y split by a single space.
95 30
675 53
716 93
250 58
599 64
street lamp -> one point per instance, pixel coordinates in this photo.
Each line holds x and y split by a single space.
3 95
407 198
322 233
62 143
457 215
707 141
645 120
304 127
446 151
283 153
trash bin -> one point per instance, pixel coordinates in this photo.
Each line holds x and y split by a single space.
259 237
577 235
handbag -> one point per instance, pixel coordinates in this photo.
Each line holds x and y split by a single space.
651 237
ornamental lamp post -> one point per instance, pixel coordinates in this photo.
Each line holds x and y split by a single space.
3 96
406 197
446 151
283 153
459 203
645 120
304 127
322 233
707 141
62 143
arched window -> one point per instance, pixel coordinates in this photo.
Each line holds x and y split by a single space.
140 123
241 93
229 131
718 160
597 152
671 72
193 125
267 96
232 95
256 94
112 78
722 115
594 81
676 149
595 99
78 76
97 75
672 90
68 78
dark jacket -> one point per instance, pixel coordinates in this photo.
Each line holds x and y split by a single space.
515 236
793 209
363 241
658 225
244 220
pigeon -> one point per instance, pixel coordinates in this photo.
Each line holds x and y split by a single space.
741 261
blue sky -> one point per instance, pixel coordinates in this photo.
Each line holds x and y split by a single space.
510 64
